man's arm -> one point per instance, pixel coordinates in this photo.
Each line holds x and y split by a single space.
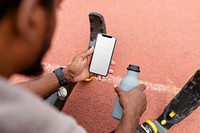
75 72
45 85
128 123
133 104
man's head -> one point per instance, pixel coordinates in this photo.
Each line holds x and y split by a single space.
26 29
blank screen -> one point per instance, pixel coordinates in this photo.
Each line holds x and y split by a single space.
102 55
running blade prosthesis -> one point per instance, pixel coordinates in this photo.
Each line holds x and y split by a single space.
181 106
97 25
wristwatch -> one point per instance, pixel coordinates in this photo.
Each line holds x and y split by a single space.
60 76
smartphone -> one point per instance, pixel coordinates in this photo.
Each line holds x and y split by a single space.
103 52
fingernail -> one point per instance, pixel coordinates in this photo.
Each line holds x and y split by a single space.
99 78
114 85
111 71
92 47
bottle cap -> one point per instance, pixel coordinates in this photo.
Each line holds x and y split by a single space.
133 68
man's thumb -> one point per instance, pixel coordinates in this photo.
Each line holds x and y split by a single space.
88 52
118 90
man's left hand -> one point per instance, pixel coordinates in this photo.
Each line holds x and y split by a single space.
78 69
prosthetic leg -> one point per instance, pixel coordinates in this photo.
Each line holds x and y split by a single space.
97 25
181 106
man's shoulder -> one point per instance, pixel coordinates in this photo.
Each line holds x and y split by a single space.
14 92
22 111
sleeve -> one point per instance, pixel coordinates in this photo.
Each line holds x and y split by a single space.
23 112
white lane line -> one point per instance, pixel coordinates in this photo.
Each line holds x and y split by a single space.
115 79
50 67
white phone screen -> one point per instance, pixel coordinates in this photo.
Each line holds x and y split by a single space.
102 55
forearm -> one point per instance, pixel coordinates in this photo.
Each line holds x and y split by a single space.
42 86
128 123
47 84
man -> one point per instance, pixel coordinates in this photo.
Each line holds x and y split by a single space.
26 29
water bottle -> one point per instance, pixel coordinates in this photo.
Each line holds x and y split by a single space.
129 82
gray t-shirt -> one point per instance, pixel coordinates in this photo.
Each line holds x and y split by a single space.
23 112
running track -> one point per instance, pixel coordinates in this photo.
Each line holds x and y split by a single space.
162 37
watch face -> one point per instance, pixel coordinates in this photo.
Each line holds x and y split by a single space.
62 93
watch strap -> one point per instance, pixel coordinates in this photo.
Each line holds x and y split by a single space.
60 76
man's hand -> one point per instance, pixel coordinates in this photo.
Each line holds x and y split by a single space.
133 101
78 68
134 104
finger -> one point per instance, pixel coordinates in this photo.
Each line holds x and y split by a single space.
114 85
89 59
99 78
141 87
111 71
113 63
87 53
91 75
118 90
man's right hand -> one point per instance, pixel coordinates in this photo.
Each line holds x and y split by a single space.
134 104
134 100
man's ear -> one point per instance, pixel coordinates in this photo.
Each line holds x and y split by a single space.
29 20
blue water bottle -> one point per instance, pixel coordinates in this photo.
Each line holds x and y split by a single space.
129 82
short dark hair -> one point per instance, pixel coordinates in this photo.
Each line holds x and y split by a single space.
9 6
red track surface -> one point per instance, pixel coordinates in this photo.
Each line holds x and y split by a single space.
162 37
